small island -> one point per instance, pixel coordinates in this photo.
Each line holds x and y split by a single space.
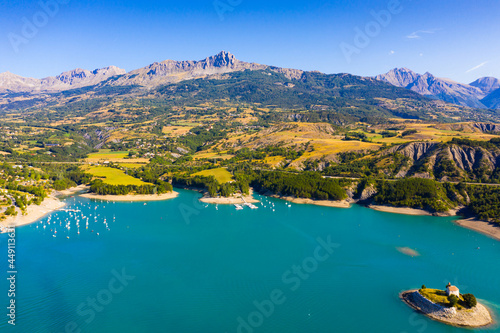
448 306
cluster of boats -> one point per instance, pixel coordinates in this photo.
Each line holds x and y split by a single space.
75 218
240 207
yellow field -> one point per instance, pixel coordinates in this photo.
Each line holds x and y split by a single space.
115 156
213 155
132 165
185 123
274 160
176 130
221 174
335 146
108 155
113 176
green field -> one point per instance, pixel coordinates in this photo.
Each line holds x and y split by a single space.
221 174
113 176
107 154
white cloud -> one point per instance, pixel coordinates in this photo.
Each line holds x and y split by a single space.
392 52
476 67
418 34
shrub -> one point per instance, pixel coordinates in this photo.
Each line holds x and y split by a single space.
470 300
424 287
453 300
11 211
409 132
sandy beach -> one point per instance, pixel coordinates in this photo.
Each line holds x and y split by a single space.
486 228
72 191
34 213
400 210
230 200
132 197
326 203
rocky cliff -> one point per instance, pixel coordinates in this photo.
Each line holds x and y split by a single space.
446 161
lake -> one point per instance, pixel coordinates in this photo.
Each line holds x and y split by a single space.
183 266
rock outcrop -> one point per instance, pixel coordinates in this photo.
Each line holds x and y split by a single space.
415 150
367 193
487 128
469 159
431 159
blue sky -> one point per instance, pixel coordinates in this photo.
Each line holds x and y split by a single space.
455 39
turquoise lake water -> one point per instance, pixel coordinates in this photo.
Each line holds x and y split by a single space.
181 266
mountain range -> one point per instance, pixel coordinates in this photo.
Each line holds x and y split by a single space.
224 77
154 75
478 94
75 78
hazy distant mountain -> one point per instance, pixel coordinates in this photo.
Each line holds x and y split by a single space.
492 101
431 86
487 84
68 80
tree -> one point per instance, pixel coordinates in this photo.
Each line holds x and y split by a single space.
453 299
424 287
11 211
470 300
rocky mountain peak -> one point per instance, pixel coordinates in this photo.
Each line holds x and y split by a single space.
487 84
109 71
400 77
222 59
71 76
429 85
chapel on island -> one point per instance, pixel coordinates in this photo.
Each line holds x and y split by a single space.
452 290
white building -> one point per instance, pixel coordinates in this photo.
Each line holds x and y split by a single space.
452 290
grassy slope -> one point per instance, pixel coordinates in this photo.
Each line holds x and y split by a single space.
114 176
439 297
221 174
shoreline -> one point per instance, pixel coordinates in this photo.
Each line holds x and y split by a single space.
400 210
33 213
479 316
53 202
131 197
72 191
483 227
230 200
324 203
